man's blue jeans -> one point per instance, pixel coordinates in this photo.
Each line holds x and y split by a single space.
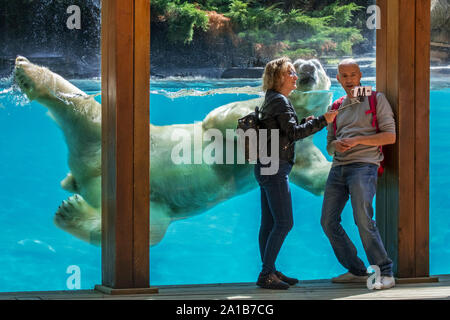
359 181
276 213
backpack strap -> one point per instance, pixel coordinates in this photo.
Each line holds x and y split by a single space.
336 105
373 111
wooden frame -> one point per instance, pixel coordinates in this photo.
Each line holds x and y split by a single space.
403 44
125 146
403 74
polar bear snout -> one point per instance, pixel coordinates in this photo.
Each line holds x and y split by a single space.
33 80
24 73
21 66
24 67
21 78
21 60
307 68
307 73
307 79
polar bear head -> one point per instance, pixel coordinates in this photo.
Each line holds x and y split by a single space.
30 78
58 95
44 85
313 95
311 75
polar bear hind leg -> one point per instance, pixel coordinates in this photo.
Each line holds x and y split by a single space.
83 221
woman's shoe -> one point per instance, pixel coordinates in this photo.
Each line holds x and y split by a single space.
282 277
271 281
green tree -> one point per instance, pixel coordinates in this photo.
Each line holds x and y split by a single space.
310 27
182 18
238 13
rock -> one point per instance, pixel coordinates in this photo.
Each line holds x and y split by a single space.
439 14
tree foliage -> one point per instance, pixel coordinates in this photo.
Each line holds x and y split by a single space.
309 27
182 18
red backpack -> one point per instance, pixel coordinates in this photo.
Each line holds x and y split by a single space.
373 110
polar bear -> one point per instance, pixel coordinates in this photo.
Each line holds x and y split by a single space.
177 191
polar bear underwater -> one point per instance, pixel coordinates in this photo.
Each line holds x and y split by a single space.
177 191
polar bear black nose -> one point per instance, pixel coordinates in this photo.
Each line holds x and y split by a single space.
21 59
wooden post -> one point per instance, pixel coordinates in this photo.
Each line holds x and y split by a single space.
403 74
125 146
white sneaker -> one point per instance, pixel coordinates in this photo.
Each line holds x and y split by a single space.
349 278
386 282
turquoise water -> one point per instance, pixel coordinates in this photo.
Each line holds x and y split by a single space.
217 246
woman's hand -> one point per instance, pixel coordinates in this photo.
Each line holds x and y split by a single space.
331 115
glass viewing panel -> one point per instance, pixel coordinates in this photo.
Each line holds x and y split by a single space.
439 139
51 138
205 216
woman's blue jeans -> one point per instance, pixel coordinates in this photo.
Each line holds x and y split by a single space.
276 213
359 182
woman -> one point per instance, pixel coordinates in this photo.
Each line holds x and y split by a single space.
279 80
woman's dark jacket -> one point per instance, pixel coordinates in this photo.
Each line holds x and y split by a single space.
277 112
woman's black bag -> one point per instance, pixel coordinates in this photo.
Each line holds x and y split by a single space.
250 124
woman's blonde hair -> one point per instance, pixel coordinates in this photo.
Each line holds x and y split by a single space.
273 72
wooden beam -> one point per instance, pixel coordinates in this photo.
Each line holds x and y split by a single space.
406 135
403 71
387 191
381 195
141 144
125 146
422 145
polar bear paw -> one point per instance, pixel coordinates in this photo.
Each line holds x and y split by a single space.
77 217
73 209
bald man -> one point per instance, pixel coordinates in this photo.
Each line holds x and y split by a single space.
354 172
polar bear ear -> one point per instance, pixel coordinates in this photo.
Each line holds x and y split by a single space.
298 63
317 64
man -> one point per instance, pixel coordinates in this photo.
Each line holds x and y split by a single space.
356 158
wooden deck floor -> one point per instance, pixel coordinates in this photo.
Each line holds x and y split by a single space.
305 290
